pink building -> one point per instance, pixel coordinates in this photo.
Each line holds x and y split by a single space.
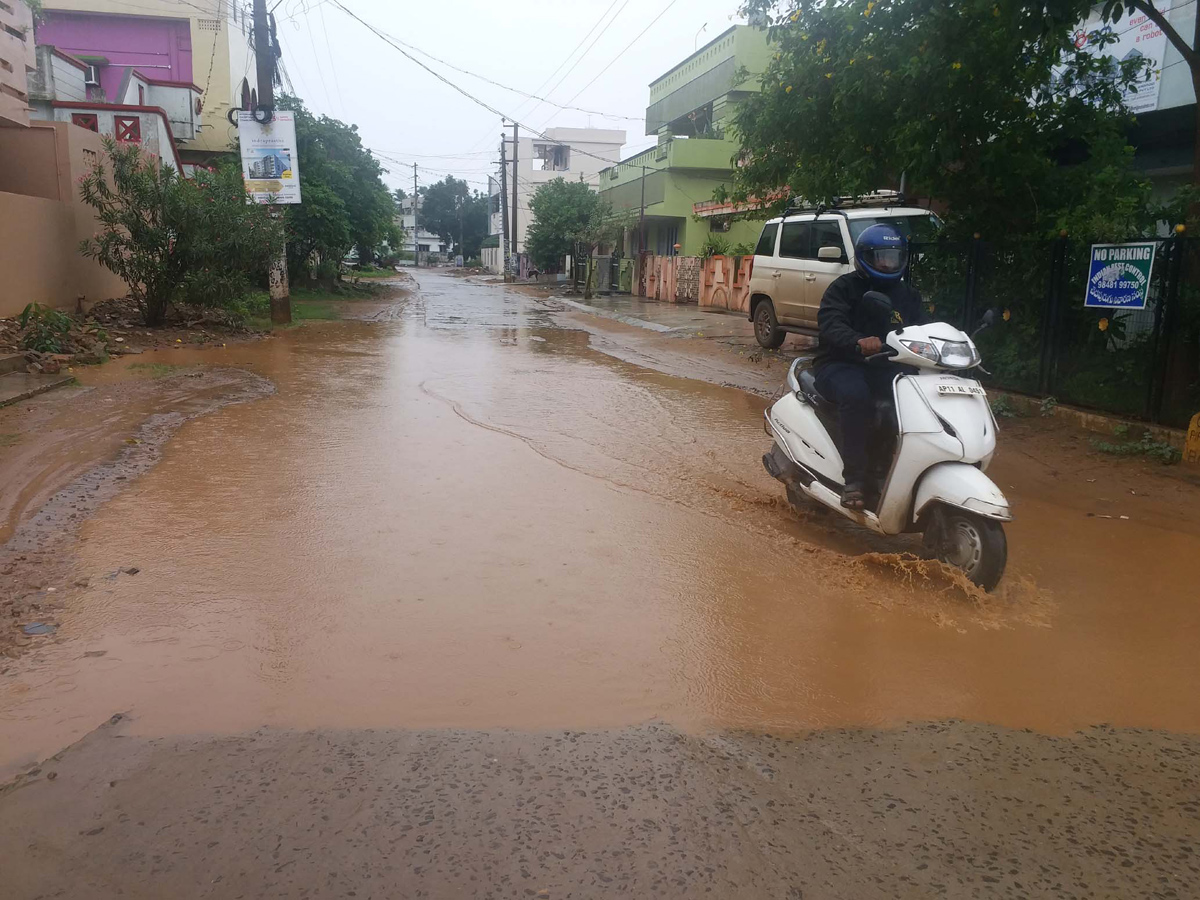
158 48
193 60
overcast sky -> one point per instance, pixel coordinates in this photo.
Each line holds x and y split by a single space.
342 69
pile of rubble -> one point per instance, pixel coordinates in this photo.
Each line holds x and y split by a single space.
115 328
83 343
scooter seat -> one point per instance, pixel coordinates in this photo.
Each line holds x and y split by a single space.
885 410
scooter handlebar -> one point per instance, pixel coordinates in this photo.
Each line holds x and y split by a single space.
883 354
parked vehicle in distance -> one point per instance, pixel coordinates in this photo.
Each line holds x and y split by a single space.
801 252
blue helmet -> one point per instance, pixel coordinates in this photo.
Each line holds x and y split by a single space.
881 253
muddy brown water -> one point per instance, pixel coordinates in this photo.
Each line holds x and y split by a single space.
466 515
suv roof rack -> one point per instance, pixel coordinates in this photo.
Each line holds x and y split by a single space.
840 204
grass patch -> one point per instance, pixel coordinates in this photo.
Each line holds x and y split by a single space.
305 310
9 440
156 370
372 272
1146 446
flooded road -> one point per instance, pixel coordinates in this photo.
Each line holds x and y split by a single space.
463 515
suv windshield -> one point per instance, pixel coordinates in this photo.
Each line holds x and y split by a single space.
915 228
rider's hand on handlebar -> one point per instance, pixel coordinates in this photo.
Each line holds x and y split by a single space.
870 345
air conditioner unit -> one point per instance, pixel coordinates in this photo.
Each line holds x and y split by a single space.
91 76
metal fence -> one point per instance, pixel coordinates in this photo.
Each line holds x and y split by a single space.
1045 342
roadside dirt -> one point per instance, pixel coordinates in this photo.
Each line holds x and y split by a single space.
65 455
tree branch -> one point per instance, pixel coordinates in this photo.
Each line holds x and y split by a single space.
1186 49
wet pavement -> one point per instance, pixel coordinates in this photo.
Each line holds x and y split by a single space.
477 511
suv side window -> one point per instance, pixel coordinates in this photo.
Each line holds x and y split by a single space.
796 239
766 243
827 234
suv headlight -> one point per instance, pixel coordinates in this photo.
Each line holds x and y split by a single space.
959 354
923 348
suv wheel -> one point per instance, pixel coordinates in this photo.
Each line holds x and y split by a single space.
766 327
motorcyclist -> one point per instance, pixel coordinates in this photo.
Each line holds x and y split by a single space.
852 329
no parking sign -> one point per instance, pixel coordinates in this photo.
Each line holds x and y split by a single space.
1119 275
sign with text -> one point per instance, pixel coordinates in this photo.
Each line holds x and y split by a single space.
1119 275
1137 38
270 166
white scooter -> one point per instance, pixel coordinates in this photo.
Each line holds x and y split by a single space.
932 454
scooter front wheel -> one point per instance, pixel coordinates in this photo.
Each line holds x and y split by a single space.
971 543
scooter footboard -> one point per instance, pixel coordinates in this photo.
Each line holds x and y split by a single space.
961 485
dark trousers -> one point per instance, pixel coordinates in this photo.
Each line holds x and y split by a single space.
854 388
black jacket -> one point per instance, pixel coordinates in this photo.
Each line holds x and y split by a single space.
845 318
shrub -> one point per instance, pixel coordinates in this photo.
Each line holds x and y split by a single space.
716 245
43 328
176 240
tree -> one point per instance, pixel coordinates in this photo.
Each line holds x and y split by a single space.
564 213
1114 10
345 202
984 104
173 239
449 208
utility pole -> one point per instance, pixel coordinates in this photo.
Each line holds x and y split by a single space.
416 230
504 200
461 252
264 57
516 191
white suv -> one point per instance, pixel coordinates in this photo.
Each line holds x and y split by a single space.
803 251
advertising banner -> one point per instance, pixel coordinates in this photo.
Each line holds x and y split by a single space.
1137 37
269 159
1119 275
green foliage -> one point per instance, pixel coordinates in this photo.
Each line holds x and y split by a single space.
1004 408
156 370
346 204
986 104
1047 407
38 8
43 328
1146 446
716 245
743 249
175 240
441 205
564 213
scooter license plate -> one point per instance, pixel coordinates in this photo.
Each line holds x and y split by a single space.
971 390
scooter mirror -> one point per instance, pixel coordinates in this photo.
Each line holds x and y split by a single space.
879 301
986 322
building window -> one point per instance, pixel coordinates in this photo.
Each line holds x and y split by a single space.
128 128
86 120
718 225
551 158
208 24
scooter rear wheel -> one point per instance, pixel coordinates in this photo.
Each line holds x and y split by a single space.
973 544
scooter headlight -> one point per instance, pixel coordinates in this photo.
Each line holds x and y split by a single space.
959 354
923 348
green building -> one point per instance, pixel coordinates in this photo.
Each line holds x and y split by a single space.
689 108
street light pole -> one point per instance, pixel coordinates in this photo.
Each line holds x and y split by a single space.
277 274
